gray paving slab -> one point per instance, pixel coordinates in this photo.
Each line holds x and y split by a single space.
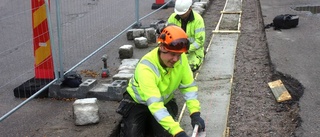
215 98
215 105
219 61
215 82
233 5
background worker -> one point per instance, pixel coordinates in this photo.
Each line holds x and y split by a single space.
192 23
148 107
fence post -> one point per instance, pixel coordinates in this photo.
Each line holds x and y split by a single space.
138 23
60 54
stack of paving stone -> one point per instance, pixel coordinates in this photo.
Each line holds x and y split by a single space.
142 36
126 69
92 88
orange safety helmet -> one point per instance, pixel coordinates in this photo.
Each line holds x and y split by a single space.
174 39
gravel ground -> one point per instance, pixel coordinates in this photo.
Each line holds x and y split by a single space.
254 110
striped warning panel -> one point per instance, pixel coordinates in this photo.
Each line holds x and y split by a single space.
41 41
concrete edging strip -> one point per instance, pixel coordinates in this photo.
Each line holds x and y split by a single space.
214 78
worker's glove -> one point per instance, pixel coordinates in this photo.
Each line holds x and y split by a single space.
196 119
181 134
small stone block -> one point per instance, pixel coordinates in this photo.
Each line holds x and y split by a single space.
128 64
134 33
86 85
130 34
121 76
150 34
125 51
200 4
116 89
198 9
126 71
86 111
141 42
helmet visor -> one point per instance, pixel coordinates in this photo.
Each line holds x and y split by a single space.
178 45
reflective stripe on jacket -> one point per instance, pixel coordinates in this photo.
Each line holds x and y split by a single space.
153 85
195 30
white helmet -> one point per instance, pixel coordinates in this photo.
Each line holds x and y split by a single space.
182 6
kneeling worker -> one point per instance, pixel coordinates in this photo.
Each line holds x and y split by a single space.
148 107
193 24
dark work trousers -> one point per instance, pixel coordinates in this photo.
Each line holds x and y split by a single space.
139 122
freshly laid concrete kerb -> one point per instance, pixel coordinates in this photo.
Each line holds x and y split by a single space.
219 61
215 76
215 82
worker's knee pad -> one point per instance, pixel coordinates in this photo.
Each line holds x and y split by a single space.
124 108
125 105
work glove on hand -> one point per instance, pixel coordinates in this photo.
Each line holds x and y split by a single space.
181 134
196 119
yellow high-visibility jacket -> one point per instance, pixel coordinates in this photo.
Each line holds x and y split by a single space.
154 86
195 28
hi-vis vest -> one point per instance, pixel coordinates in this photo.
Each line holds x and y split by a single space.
195 30
153 86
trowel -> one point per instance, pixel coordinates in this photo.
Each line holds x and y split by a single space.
196 133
